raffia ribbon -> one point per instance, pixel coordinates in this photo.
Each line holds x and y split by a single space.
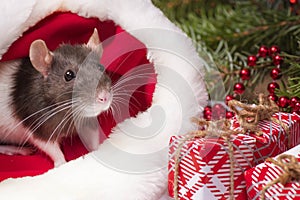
220 128
291 171
250 115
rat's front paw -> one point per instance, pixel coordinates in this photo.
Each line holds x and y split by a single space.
59 162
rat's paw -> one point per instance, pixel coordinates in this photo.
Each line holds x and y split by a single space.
15 150
60 161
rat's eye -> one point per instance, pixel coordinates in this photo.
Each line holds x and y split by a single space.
69 75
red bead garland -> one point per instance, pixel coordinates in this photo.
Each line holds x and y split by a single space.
218 111
275 73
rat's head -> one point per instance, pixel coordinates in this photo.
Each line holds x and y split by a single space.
73 74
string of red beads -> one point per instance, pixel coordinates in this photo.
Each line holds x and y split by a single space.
274 53
218 111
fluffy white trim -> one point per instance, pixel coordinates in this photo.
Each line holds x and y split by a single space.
131 164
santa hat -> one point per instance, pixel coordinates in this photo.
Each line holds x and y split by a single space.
138 40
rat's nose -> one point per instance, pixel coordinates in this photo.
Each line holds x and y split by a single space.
103 97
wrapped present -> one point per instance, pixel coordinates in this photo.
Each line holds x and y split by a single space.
211 164
203 168
275 178
273 138
274 131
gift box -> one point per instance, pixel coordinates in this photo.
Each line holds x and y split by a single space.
258 177
274 139
204 170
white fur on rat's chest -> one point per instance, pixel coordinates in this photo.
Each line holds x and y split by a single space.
11 129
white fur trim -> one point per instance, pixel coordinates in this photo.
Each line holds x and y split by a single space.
129 165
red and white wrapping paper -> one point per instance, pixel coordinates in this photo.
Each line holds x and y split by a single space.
204 169
275 140
257 178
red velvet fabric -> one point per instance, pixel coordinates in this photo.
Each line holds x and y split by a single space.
71 28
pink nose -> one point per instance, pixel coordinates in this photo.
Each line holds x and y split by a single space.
103 97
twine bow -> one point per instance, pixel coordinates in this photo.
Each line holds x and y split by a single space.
291 171
220 128
250 115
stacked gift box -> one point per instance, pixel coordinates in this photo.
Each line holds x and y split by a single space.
204 165
204 169
274 139
258 177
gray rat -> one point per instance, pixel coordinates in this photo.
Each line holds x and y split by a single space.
44 97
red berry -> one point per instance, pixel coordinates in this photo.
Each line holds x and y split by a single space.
263 51
251 61
245 74
277 60
293 101
239 88
296 108
207 108
229 114
207 117
272 87
207 114
283 102
207 111
273 97
228 98
275 73
274 50
293 1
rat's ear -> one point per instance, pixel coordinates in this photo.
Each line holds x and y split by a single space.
40 57
95 44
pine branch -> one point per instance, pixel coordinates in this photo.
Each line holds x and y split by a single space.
226 32
292 88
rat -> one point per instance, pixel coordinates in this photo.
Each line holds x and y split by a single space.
51 95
